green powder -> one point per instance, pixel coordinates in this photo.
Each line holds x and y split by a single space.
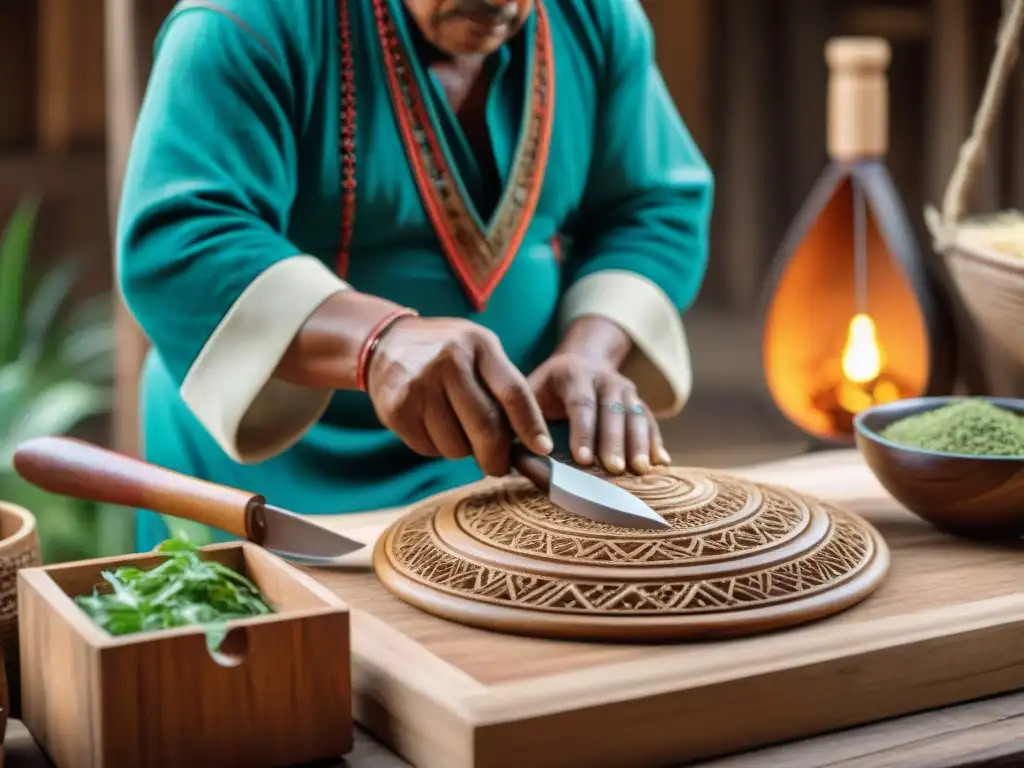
973 427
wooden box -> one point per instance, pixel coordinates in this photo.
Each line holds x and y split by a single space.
278 693
945 627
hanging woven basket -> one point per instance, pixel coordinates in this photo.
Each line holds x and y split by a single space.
984 254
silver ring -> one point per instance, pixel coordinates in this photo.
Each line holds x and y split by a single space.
638 410
614 407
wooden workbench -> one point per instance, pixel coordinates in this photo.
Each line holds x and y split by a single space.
985 733
988 732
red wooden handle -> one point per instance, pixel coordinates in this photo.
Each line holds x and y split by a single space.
84 471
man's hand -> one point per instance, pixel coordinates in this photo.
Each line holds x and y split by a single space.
606 416
581 382
446 387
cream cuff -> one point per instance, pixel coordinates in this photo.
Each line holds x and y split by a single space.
659 364
230 387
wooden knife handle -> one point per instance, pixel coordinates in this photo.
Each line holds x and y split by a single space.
536 469
83 471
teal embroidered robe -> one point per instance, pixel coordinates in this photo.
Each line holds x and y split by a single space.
231 224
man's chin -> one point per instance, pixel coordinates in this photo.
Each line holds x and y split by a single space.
479 49
472 39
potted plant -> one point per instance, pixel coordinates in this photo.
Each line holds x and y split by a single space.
56 374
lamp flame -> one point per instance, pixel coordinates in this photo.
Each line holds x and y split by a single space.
862 355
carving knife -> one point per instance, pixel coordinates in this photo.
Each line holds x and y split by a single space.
84 471
584 494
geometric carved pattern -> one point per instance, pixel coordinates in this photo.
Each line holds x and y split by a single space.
741 557
709 520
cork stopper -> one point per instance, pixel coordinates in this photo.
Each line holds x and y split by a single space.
858 97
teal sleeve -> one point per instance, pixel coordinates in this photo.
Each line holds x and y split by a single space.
649 193
209 181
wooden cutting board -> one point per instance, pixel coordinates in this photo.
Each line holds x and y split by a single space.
945 627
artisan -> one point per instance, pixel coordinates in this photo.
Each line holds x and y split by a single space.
374 241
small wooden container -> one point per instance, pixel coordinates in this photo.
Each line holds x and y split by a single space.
277 693
19 548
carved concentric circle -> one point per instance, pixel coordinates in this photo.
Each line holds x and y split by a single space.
710 520
741 557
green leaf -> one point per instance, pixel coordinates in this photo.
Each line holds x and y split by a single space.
96 310
197 533
184 590
88 353
176 545
43 309
83 347
16 389
54 411
121 592
15 246
113 530
56 370
215 634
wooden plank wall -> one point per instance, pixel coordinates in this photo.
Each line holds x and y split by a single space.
52 89
18 64
749 79
52 127
130 28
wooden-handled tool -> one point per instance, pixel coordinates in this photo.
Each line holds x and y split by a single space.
74 468
536 469
584 494
84 471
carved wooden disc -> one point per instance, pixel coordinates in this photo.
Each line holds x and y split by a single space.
742 558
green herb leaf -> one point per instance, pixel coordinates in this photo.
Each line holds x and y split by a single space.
44 306
53 410
184 590
15 244
215 636
177 545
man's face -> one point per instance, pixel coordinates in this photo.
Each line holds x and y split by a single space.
461 27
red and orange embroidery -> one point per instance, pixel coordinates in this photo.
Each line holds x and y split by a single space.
479 255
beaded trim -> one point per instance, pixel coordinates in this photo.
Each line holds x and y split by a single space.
347 138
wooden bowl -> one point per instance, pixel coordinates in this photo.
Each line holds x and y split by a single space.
977 496
19 548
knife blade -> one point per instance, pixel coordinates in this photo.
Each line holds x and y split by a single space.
584 494
81 470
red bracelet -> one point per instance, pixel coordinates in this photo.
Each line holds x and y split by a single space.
373 340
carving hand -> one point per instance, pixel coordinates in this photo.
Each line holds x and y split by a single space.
446 387
606 416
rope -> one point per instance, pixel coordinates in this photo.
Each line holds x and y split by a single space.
972 153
